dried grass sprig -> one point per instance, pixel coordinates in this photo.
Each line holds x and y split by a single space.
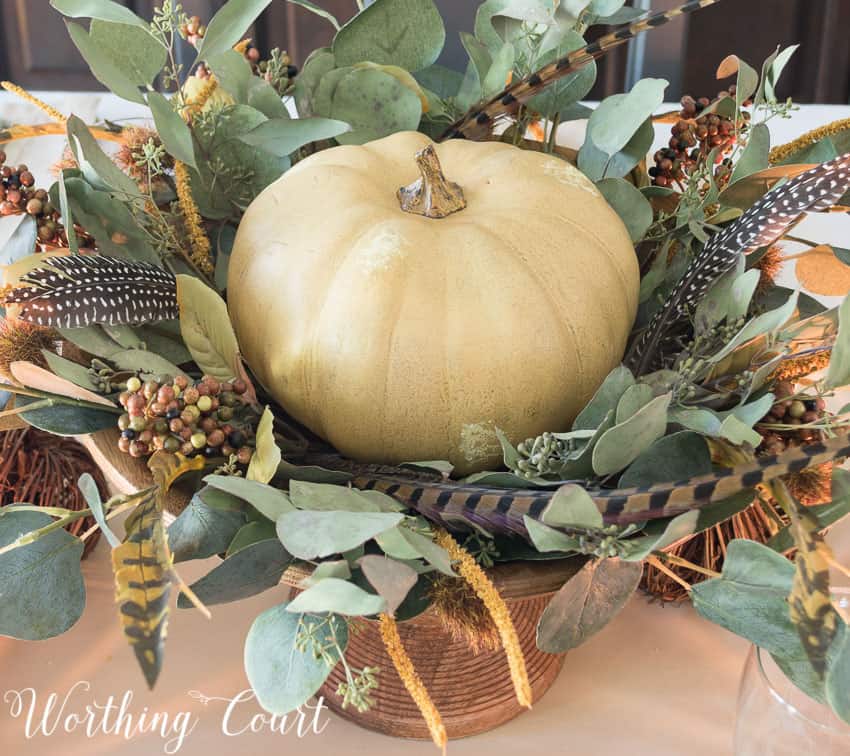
196 104
797 367
463 614
412 682
486 591
40 104
784 151
200 244
21 341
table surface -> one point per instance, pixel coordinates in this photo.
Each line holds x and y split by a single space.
658 680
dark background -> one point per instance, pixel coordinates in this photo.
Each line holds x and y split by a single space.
36 53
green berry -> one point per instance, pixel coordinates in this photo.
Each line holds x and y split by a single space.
138 423
204 403
133 384
171 445
124 421
199 440
797 409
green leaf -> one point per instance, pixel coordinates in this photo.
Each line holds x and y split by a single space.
617 119
132 50
70 371
503 62
605 399
443 82
764 323
206 329
660 535
105 10
337 569
91 494
229 25
98 168
21 242
318 63
755 155
267 455
281 136
392 580
586 603
248 572
42 592
102 67
172 129
283 677
375 104
775 70
629 203
838 372
207 525
838 679
624 443
572 505
145 361
405 33
547 539
678 456
431 552
325 497
267 500
394 544
337 596
313 8
749 598
636 396
311 534
251 533
566 92
597 165
66 420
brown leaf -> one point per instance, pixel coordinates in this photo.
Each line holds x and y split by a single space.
821 272
33 376
728 67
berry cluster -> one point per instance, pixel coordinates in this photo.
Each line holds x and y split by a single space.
17 196
791 409
193 30
179 415
694 136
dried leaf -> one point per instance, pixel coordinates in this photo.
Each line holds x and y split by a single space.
392 580
38 378
167 468
267 454
728 67
206 329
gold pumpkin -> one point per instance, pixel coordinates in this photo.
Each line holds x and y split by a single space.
401 337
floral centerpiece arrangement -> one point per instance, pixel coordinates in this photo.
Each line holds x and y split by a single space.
392 342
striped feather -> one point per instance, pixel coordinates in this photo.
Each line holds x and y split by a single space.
767 220
75 291
479 121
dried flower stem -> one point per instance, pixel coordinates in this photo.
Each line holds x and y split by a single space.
40 104
486 591
12 133
784 151
197 238
412 681
196 105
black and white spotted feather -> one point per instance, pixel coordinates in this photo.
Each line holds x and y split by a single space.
768 219
75 291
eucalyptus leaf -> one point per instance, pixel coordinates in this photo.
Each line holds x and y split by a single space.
660 535
838 679
339 597
632 400
326 497
131 49
21 242
755 156
320 62
70 371
618 118
572 505
233 72
91 493
172 129
394 544
431 552
91 339
545 538
586 603
65 420
567 91
405 33
281 136
337 569
267 454
147 362
248 572
229 25
312 534
678 456
206 329
41 586
267 500
629 203
605 399
282 676
597 165
624 443
102 67
207 525
838 372
105 10
95 164
313 8
758 326
250 533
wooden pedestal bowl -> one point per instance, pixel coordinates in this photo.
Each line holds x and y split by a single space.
472 692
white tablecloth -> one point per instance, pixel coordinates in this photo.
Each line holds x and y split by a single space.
657 681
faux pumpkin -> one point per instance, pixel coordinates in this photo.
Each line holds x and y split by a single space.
401 337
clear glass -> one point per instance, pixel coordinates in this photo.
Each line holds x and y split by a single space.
775 718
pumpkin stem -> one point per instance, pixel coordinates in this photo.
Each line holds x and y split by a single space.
433 195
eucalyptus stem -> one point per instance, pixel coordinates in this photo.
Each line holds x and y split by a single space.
53 400
27 538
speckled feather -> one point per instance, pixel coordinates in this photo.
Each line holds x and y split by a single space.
768 219
75 291
480 120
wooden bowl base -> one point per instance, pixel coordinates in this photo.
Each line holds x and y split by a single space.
473 693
